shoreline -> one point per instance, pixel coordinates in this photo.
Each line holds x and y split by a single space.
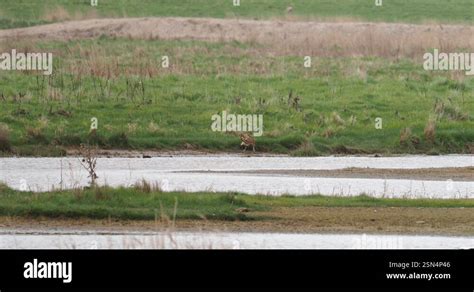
151 153
430 174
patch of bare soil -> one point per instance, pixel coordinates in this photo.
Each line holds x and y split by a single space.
439 221
279 37
454 173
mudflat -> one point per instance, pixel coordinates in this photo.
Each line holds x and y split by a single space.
389 220
434 174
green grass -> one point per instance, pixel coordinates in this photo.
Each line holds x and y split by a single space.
133 204
357 201
172 108
26 12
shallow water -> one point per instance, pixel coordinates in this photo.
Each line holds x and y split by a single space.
206 240
45 173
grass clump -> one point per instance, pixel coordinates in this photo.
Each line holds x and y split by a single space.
146 187
307 148
5 144
430 131
36 136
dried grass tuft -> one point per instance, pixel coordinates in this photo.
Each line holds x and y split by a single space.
430 131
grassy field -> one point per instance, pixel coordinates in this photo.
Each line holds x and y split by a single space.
140 105
333 109
27 13
144 203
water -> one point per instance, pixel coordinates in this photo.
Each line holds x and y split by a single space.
42 174
208 240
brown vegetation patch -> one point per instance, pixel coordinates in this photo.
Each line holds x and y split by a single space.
279 37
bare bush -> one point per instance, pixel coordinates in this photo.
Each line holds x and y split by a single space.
89 162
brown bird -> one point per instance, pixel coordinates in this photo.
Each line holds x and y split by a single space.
247 141
289 10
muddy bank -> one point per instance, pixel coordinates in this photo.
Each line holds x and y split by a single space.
120 153
430 174
435 221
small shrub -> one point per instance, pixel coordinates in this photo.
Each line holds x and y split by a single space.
89 162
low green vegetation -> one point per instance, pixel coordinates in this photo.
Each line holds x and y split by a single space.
22 13
140 105
147 203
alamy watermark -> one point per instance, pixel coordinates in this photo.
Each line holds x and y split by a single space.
226 122
449 61
13 60
48 270
377 242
